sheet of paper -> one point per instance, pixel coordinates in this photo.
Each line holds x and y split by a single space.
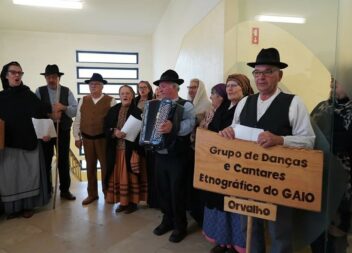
44 127
247 133
131 128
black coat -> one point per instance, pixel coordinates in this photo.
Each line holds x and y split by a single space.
18 105
222 118
109 124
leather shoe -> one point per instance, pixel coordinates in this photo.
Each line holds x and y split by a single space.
131 208
162 229
67 195
27 214
120 209
89 200
218 249
177 235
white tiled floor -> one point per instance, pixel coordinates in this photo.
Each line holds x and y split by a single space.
72 228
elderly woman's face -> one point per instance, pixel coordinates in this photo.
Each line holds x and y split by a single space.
126 96
192 89
234 91
14 75
216 99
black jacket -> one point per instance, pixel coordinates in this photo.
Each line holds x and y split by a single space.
18 105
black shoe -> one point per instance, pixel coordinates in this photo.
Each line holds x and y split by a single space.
67 195
13 216
177 235
131 208
218 249
121 208
162 229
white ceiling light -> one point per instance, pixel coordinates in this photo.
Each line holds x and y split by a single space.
281 19
68 4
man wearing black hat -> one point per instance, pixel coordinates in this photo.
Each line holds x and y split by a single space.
171 164
64 107
88 130
285 121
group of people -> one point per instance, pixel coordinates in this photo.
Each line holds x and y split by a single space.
162 177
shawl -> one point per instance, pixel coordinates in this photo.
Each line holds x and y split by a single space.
201 101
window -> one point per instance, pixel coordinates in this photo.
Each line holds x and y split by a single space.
109 88
111 65
106 57
108 73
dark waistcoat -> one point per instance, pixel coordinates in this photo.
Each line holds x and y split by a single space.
66 121
275 119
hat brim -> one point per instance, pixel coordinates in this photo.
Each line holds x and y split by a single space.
46 74
280 65
103 81
178 81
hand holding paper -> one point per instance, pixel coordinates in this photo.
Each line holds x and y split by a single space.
44 128
247 133
132 127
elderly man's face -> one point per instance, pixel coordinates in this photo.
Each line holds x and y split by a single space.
96 88
168 90
52 81
267 78
192 89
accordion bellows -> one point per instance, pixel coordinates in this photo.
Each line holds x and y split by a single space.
155 113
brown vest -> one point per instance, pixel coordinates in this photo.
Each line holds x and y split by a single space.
92 115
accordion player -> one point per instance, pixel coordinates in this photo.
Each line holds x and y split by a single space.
155 113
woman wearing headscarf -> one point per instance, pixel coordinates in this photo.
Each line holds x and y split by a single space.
220 227
145 93
334 118
125 180
197 94
23 184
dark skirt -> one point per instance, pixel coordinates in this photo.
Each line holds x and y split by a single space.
23 180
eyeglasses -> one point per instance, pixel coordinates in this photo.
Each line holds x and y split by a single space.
192 87
14 72
269 72
142 88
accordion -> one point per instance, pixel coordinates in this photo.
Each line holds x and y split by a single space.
155 113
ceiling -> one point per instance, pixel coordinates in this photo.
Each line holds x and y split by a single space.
113 17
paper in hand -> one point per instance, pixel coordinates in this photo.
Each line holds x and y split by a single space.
247 133
131 128
44 127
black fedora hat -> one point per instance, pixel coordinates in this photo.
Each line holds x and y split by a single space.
52 69
169 76
96 77
268 56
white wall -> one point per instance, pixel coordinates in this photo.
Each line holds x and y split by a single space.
202 51
179 18
34 50
344 50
